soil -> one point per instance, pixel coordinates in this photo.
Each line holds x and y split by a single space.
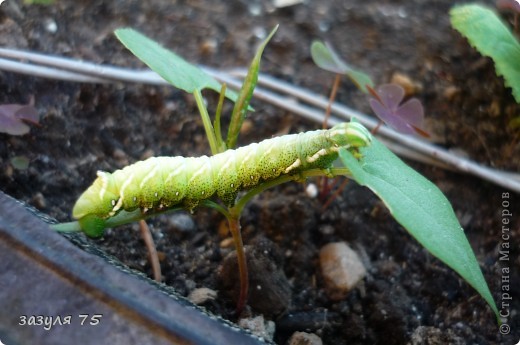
408 296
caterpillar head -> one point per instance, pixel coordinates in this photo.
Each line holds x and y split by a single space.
350 134
98 199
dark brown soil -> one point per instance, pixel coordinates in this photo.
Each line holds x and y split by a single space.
87 127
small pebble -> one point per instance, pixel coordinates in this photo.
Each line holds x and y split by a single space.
255 9
259 327
327 229
341 269
209 46
120 156
38 200
223 229
247 127
450 92
311 190
227 243
410 87
182 222
50 25
147 154
286 3
202 295
302 338
432 335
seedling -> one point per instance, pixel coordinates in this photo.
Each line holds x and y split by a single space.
146 188
326 58
406 118
491 37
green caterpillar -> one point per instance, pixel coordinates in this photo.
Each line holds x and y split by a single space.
160 183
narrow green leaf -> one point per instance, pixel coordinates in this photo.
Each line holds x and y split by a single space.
421 208
20 162
246 92
326 58
206 122
169 65
487 33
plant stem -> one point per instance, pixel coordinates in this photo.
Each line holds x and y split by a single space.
214 205
152 250
233 218
206 121
332 97
234 228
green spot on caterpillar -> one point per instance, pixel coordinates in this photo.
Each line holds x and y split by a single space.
161 183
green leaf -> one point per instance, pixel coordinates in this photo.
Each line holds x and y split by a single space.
246 92
168 65
421 208
326 58
20 162
486 32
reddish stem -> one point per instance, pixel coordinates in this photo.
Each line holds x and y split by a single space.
322 181
234 228
152 250
335 195
332 97
376 128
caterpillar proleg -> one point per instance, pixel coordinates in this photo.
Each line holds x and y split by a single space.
160 183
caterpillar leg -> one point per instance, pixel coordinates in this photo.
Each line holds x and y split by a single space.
92 225
328 172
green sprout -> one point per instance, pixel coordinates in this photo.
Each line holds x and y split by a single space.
491 37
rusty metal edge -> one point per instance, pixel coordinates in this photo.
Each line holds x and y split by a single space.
154 305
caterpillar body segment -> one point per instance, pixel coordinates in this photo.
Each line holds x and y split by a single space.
160 183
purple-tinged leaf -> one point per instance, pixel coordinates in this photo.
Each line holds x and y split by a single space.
405 117
13 118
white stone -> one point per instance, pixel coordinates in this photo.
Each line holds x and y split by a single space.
259 327
302 338
202 295
341 269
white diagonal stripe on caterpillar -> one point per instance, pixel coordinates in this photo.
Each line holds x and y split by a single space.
293 166
104 179
317 155
150 175
119 203
176 172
